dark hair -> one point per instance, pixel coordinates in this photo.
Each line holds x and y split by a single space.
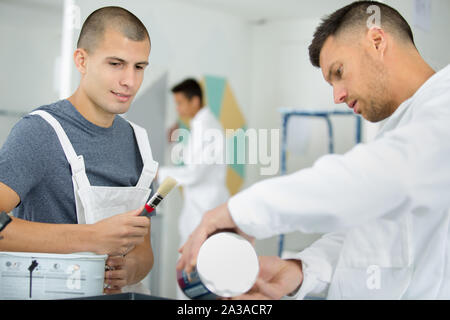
117 18
190 88
356 15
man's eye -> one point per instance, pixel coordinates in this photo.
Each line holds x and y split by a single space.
339 72
114 63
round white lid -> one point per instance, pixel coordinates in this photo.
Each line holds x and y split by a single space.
227 264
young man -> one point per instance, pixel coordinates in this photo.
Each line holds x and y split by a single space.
202 178
75 173
385 204
203 175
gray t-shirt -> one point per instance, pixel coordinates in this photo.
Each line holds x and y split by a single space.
33 164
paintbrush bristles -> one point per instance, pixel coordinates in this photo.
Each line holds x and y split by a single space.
166 186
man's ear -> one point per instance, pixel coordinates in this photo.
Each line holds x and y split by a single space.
378 40
80 58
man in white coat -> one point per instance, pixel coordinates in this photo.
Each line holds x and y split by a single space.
384 206
204 171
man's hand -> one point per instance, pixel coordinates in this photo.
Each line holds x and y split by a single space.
120 272
276 279
117 235
213 221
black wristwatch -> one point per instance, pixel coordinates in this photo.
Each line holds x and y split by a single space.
4 220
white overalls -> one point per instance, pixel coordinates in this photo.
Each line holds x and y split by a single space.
97 203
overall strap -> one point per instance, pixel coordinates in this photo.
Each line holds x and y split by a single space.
150 167
76 162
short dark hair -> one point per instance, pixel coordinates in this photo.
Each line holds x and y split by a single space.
356 15
190 88
118 18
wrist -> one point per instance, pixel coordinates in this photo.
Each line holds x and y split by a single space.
87 239
219 219
296 265
131 266
138 265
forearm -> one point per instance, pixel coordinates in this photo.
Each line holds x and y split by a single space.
337 192
26 236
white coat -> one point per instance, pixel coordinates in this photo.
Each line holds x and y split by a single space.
385 206
203 177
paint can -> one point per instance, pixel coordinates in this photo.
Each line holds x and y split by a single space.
227 266
42 276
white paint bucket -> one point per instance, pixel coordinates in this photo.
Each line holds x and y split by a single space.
227 266
54 276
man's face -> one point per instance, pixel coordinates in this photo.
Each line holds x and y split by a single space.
186 108
358 78
115 71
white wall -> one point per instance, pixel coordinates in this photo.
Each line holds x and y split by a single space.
433 44
29 45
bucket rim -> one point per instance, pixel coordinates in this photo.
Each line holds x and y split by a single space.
64 256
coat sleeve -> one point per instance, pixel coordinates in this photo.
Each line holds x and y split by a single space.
405 167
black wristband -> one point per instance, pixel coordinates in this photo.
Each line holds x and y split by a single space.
4 220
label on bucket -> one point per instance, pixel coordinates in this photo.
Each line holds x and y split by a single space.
45 276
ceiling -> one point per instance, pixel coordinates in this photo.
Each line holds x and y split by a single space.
251 10
257 10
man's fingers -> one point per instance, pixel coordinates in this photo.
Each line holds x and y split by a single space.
195 242
135 213
116 283
115 262
133 219
192 263
212 222
138 222
185 262
185 254
114 274
112 290
115 279
251 296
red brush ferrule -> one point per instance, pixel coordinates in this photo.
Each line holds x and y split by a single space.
149 208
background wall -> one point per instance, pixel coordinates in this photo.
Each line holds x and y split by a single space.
260 46
30 35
